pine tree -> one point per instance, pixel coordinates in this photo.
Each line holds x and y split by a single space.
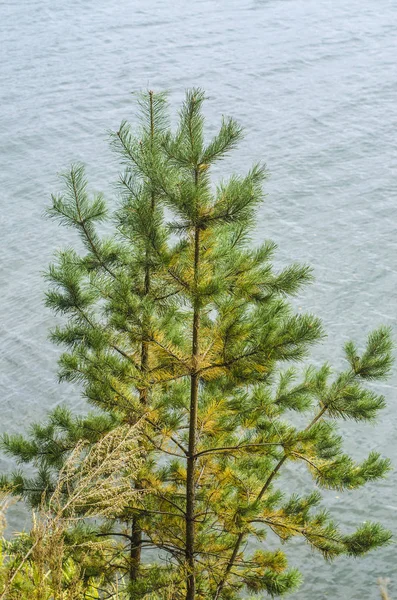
179 322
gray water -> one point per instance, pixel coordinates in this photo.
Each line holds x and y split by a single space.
314 84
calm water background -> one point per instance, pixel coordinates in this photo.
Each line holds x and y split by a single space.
314 84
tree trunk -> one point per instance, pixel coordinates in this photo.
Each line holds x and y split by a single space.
135 552
136 532
191 460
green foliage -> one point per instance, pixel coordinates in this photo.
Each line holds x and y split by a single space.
178 323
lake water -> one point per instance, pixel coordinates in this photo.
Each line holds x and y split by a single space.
314 84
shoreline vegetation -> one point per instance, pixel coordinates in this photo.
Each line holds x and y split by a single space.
184 341
48 530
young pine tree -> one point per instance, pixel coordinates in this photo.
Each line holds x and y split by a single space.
181 323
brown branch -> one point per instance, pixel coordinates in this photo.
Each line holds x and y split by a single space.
162 449
171 437
239 447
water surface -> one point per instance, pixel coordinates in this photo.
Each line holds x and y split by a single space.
313 83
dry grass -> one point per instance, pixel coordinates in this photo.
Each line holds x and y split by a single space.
97 482
383 583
